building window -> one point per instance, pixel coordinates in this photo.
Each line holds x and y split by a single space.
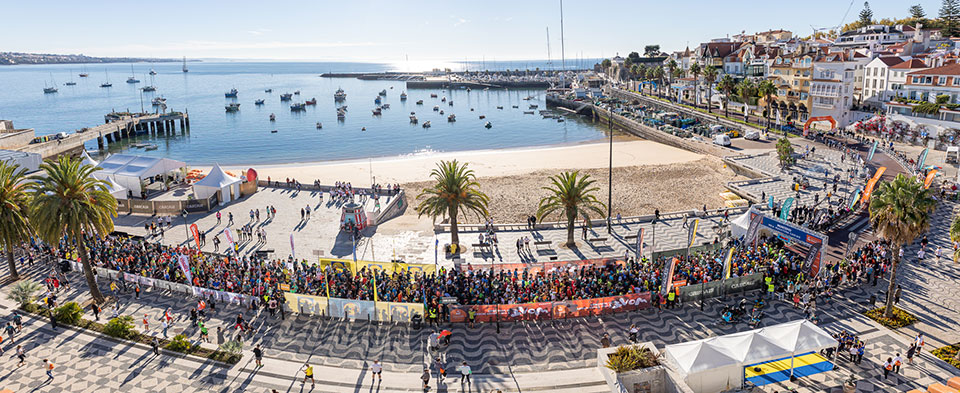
883 71
942 80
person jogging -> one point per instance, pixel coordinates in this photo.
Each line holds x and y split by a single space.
376 369
258 355
48 366
308 374
465 372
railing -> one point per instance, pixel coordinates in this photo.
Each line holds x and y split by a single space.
166 208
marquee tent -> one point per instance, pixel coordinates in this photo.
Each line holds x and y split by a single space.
85 159
218 180
717 363
129 170
118 191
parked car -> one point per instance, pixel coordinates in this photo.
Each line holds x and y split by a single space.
752 136
721 139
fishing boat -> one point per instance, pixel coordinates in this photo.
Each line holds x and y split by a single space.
436 108
377 100
499 106
452 118
426 124
386 106
232 107
152 72
482 117
149 88
468 89
268 90
444 99
150 147
157 101
516 106
343 107
231 94
403 96
419 102
319 125
312 101
296 92
185 64
132 78
273 117
377 111
83 72
273 132
258 102
52 88
488 124
106 84
297 107
533 106
527 98
49 90
527 112
433 95
286 97
383 92
341 115
413 113
560 119
413 119
339 95
441 111
363 128
450 103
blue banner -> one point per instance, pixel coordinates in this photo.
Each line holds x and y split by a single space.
872 150
786 208
855 197
770 203
923 158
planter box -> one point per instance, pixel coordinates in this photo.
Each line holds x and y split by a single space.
645 380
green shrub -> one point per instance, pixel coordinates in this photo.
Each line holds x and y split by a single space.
69 313
900 318
948 354
231 347
627 358
121 327
181 344
225 357
24 292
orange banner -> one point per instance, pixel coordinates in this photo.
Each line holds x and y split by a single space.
551 310
196 234
929 180
868 190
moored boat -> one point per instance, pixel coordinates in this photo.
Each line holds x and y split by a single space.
488 125
273 117
413 119
312 101
377 111
231 94
419 102
452 118
297 107
383 92
339 95
258 102
426 124
403 96
286 97
232 107
319 125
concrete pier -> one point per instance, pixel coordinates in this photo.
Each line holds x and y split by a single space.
117 126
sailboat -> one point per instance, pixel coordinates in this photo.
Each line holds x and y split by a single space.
150 87
185 64
50 89
133 77
152 72
71 82
83 72
106 83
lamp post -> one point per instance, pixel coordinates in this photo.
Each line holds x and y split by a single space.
610 174
186 228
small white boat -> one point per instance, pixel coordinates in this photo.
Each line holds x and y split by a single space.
152 72
149 88
150 147
444 99
377 111
403 96
385 106
339 95
452 118
413 119
426 124
157 101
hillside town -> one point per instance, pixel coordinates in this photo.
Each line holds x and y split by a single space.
14 58
901 74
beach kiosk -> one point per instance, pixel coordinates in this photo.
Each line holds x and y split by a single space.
353 217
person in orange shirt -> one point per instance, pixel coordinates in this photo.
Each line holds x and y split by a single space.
48 366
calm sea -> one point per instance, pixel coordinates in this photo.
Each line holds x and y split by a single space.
245 137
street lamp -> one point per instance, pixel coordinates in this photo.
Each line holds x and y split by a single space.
186 228
610 174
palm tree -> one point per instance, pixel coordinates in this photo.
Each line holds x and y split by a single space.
658 74
710 75
671 68
695 70
456 191
900 211
14 208
726 85
767 91
746 88
570 195
955 235
69 201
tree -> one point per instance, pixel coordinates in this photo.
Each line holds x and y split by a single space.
14 212
709 76
784 152
866 15
651 50
900 211
950 16
658 75
634 57
69 201
695 70
456 191
24 292
955 236
767 91
606 63
671 68
746 89
726 85
916 12
572 196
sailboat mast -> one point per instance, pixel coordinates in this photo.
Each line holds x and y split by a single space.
563 55
549 60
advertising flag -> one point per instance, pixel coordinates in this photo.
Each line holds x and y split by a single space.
639 244
229 235
754 228
726 264
923 158
196 234
692 232
668 280
785 211
929 180
872 150
184 262
293 251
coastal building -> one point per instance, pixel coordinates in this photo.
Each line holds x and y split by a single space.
873 37
876 81
898 77
928 84
832 88
792 74
939 85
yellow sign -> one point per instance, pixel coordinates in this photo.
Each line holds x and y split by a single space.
402 312
389 267
307 304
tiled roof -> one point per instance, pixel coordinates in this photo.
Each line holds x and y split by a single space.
909 65
949 69
891 60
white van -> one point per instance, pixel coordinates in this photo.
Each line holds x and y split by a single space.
721 139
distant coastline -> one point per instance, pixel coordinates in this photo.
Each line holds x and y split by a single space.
18 58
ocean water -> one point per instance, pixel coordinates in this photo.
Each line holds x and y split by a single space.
245 138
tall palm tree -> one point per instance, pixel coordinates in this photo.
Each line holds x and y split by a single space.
456 191
69 201
900 211
955 235
746 88
710 75
671 68
726 85
767 91
572 196
14 211
658 74
695 70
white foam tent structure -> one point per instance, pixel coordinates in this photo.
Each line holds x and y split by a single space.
118 191
218 180
717 363
129 171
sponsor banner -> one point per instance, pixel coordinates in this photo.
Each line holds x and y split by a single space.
396 267
534 268
184 263
745 283
147 281
929 180
130 277
123 206
141 206
812 260
181 288
552 310
352 309
307 304
402 312
195 205
693 291
196 234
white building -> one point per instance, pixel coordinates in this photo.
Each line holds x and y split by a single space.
832 88
876 79
873 37
898 77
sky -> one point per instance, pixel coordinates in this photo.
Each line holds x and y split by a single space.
394 31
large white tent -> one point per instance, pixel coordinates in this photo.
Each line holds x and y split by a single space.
85 159
717 363
118 191
218 180
129 170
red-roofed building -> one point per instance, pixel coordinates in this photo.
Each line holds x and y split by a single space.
927 84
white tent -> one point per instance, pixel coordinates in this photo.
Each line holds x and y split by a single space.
118 191
739 225
218 180
717 363
129 170
85 159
